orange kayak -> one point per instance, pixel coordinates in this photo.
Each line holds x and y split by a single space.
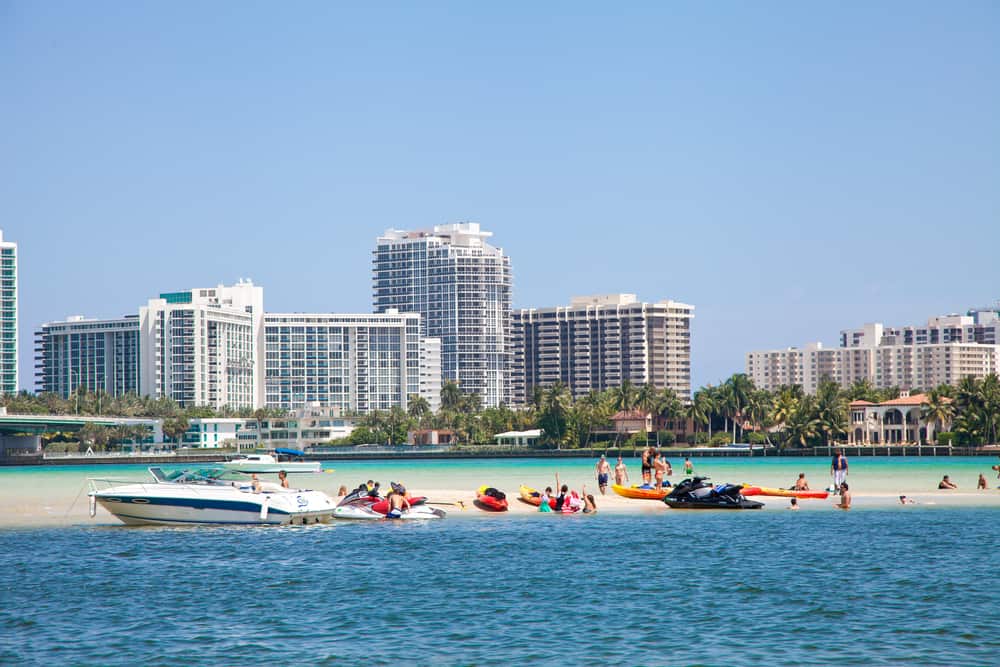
782 493
640 493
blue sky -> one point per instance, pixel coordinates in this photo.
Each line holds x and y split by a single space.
791 169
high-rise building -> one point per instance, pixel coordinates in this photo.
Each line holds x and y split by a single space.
598 342
355 363
96 355
8 316
949 348
201 346
461 286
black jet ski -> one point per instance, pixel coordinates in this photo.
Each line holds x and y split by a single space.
695 494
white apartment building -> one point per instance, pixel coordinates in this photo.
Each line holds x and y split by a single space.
201 346
96 355
8 316
946 350
353 362
461 286
598 342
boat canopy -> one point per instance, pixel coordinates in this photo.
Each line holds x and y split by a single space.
289 452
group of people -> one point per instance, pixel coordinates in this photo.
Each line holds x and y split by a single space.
567 501
946 482
257 487
655 467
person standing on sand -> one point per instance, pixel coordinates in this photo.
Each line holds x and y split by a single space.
838 468
982 482
621 473
603 471
845 497
647 465
659 470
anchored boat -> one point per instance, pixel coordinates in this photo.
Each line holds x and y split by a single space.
207 496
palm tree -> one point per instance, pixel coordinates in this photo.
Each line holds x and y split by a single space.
624 396
831 410
740 388
555 412
937 412
803 427
418 407
645 398
451 396
699 411
758 411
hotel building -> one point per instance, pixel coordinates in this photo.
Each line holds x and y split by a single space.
8 316
598 342
461 286
96 355
943 352
355 363
200 346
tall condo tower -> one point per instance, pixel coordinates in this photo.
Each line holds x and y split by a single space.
461 286
204 346
8 316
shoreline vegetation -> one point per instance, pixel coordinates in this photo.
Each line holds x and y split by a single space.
736 411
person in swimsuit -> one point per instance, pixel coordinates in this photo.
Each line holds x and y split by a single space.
283 476
801 484
982 482
545 505
845 497
255 483
397 505
794 505
621 473
603 472
659 470
647 465
946 483
589 506
688 467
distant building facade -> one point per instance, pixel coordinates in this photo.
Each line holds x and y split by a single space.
598 342
461 286
200 346
305 427
352 362
8 316
95 355
948 349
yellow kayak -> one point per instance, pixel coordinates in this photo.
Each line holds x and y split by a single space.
640 493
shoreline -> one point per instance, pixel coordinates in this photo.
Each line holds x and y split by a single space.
594 452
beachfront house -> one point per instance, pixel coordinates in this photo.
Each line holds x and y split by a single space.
895 422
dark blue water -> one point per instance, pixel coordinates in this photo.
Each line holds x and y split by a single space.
877 587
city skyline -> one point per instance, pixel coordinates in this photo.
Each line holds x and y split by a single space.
690 156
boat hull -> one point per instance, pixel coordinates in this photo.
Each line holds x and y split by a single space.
288 466
783 493
149 505
640 494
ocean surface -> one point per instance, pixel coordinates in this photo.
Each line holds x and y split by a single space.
880 586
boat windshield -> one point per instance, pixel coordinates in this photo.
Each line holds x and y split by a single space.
204 476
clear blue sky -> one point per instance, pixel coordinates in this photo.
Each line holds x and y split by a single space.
791 169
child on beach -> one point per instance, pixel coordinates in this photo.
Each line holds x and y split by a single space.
545 506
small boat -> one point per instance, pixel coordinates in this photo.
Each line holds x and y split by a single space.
267 463
783 493
696 495
207 496
644 492
491 499
360 506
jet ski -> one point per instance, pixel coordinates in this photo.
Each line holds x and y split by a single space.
365 504
696 494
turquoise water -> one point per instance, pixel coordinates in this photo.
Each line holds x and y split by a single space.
873 587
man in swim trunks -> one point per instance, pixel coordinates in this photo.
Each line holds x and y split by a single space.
845 497
946 483
688 467
801 484
397 505
647 465
603 471
621 473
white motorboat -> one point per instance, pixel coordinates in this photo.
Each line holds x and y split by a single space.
268 463
208 496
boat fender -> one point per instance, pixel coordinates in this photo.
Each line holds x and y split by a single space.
263 507
93 506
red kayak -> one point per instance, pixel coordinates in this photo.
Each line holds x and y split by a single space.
382 505
491 499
